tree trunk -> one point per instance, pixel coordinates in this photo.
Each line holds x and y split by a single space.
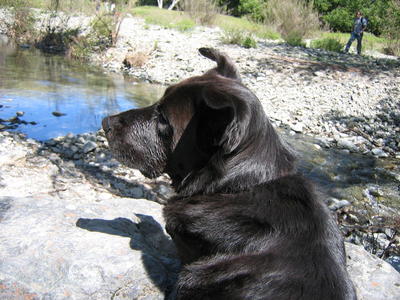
160 3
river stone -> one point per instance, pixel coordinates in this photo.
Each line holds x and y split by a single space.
89 146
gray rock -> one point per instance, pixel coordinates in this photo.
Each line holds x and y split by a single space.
379 152
394 261
298 127
347 144
81 249
89 146
336 204
373 278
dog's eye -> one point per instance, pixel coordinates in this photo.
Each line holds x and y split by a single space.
162 119
163 124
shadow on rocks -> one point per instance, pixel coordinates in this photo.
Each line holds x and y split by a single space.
87 156
159 256
308 61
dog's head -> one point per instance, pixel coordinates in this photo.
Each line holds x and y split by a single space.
209 133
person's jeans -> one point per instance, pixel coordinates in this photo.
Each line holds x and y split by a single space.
354 36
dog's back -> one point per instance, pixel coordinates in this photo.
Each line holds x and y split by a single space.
276 241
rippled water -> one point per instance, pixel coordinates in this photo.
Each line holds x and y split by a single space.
39 85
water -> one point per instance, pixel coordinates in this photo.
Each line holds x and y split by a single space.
39 85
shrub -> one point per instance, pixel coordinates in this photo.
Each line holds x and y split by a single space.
249 42
102 31
294 19
254 9
329 44
340 19
295 40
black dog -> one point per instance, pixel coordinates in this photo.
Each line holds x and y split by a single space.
245 224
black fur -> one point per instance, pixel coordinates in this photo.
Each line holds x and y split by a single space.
245 224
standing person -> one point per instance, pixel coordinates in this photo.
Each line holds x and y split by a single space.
360 24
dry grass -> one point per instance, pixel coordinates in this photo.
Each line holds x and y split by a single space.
204 12
136 58
294 19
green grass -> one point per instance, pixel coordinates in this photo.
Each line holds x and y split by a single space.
181 21
370 41
228 23
165 18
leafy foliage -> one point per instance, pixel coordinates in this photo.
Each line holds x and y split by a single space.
339 14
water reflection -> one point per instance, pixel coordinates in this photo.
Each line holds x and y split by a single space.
39 85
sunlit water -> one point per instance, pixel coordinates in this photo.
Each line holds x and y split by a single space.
39 85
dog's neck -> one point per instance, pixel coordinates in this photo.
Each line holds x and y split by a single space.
261 159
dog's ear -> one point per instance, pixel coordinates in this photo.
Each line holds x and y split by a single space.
217 126
222 120
225 66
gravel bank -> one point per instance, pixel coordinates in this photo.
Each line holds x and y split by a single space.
353 102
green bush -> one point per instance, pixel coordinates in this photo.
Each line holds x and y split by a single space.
327 44
391 29
102 31
249 42
339 14
254 9
293 39
339 19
